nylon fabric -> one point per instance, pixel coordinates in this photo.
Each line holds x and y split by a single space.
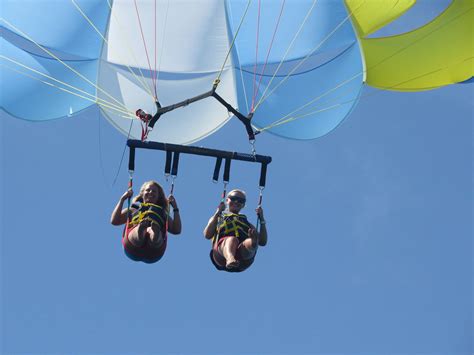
371 15
437 54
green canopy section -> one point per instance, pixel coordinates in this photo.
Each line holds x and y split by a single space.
370 15
437 54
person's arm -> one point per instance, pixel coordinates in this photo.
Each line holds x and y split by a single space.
211 227
262 235
119 216
174 224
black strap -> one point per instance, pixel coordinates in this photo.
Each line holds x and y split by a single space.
131 159
174 169
263 175
227 170
169 155
217 169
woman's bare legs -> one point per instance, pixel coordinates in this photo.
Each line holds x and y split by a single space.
137 235
155 236
228 249
249 246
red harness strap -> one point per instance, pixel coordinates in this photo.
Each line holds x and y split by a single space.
145 119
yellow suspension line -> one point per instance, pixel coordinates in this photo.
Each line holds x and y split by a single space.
56 80
241 70
286 53
263 98
217 80
59 60
130 114
141 78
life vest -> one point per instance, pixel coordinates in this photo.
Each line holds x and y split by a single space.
148 212
232 224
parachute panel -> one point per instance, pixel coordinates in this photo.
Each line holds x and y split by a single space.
181 126
369 16
31 99
334 89
59 26
190 36
306 28
437 54
322 62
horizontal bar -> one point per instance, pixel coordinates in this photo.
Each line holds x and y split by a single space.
183 103
134 143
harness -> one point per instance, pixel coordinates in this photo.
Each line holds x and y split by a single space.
232 224
149 212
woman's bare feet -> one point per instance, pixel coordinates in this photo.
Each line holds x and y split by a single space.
232 264
156 237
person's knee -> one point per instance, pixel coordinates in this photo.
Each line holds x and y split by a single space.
250 244
247 248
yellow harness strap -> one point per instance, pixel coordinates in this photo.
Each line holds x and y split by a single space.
232 225
147 212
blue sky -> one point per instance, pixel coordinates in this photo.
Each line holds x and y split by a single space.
370 239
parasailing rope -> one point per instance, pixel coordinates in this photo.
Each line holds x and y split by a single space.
216 81
140 80
62 62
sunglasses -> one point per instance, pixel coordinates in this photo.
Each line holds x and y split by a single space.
236 199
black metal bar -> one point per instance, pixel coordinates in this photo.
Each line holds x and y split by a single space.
226 177
162 110
263 175
245 120
168 163
174 170
217 169
131 159
185 149
186 102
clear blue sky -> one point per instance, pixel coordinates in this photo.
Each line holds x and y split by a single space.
370 239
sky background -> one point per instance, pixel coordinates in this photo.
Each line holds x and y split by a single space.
369 252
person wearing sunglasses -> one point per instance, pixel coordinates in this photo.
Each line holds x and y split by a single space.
234 239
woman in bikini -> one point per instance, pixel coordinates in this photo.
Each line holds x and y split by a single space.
147 222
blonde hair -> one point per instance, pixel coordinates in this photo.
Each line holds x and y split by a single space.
161 201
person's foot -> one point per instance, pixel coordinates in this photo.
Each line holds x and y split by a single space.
232 264
156 238
142 227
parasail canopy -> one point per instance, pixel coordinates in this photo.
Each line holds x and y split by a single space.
296 68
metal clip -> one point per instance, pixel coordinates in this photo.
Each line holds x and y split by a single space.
254 150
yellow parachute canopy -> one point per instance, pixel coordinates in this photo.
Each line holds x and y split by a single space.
371 15
437 54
